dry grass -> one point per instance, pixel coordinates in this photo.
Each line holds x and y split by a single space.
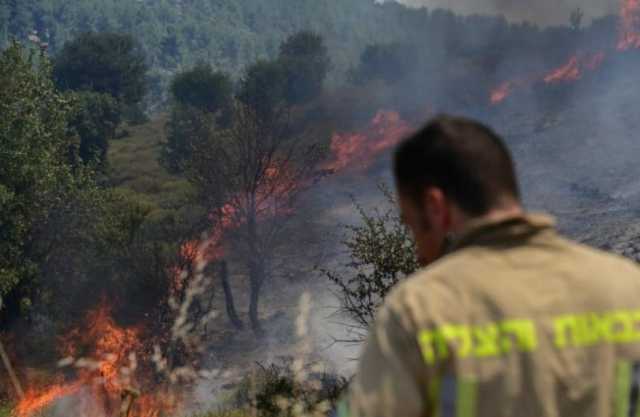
134 166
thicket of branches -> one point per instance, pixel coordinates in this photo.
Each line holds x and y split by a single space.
380 253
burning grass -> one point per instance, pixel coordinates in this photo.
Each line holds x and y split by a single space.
358 150
105 361
297 388
579 64
105 357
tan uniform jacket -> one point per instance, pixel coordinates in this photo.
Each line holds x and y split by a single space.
516 321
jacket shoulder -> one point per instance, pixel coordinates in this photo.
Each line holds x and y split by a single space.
425 294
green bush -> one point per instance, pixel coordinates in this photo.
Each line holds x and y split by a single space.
5 410
381 253
276 390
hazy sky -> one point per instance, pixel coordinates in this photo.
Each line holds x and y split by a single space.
541 11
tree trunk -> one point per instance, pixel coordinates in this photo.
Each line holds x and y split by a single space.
256 274
228 297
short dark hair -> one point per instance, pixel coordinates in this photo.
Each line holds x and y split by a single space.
467 160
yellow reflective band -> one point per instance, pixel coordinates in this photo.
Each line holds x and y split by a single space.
520 335
466 397
581 330
493 339
622 389
487 340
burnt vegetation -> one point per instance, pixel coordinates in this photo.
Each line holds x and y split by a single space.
170 168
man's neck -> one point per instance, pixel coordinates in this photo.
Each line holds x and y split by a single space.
497 215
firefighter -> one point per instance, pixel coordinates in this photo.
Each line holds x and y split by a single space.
506 317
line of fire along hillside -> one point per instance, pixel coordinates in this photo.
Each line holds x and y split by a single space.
580 63
106 383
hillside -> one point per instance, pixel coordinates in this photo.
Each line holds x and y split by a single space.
142 267
558 153
230 35
226 33
134 166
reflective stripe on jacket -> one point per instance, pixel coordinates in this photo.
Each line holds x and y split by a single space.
515 321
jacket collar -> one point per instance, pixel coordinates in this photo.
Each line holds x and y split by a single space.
504 231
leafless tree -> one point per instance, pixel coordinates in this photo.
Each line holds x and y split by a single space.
249 177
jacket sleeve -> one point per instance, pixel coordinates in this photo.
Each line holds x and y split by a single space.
390 380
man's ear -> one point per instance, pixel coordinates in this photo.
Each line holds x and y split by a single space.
436 206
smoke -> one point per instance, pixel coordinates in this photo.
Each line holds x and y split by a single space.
574 146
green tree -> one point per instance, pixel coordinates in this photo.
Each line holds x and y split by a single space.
263 89
110 63
306 63
96 119
36 178
202 101
186 128
206 90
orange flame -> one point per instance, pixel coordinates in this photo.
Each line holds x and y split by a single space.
501 92
110 369
270 201
351 150
572 70
575 68
568 72
594 61
504 90
35 400
630 25
358 150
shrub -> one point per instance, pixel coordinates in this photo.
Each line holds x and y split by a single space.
276 390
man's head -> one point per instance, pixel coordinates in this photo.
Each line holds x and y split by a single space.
451 171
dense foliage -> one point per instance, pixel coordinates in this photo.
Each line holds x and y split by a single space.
95 120
108 63
65 241
187 127
305 60
35 174
263 88
202 100
205 89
